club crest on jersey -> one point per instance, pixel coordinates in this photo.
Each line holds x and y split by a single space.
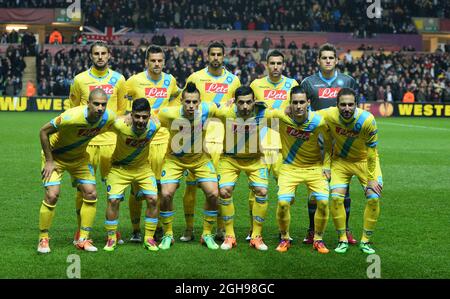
347 133
136 142
340 82
216 88
89 132
300 134
270 94
328 93
156 92
107 88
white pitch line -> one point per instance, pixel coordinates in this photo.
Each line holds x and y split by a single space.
414 126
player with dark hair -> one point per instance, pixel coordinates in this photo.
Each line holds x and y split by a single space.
321 89
131 166
100 148
216 85
355 137
161 90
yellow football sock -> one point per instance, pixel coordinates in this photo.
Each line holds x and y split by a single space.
87 213
371 213
189 204
78 205
226 207
150 227
339 216
259 215
111 228
46 214
320 219
251 202
135 210
284 217
167 221
209 219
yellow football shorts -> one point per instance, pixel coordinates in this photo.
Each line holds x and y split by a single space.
292 176
156 158
100 157
202 170
342 172
81 171
120 177
230 168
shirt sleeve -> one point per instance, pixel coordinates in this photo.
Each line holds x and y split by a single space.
122 99
75 94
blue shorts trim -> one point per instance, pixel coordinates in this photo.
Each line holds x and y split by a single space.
339 186
52 184
206 180
227 185
170 182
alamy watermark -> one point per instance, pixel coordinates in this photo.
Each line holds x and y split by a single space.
74 268
374 269
374 10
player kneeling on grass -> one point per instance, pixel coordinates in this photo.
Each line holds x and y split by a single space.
64 140
243 153
300 129
130 165
354 132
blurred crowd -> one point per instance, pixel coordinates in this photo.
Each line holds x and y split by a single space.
381 77
11 69
297 15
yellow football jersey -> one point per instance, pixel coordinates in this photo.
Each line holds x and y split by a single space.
160 94
353 137
217 89
300 142
186 137
75 132
275 96
242 138
112 83
132 149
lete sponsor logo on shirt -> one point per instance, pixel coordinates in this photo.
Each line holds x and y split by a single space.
156 92
216 88
328 93
107 88
270 94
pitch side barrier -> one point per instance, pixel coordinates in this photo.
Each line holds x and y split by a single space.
59 104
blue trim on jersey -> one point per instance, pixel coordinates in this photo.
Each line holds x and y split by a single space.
328 81
96 77
166 214
149 78
112 222
210 213
114 78
167 78
151 220
52 122
170 182
287 86
356 128
72 146
227 185
127 160
229 78
298 143
52 184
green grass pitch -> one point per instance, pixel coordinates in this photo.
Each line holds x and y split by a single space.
411 237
